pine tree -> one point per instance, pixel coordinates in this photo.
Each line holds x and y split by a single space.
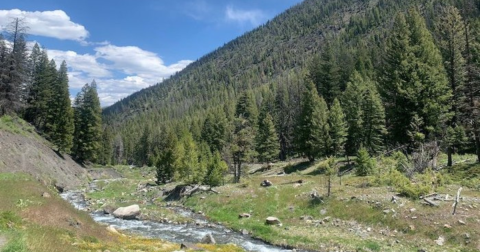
41 92
325 75
246 108
267 144
365 165
284 122
143 147
338 129
106 155
373 120
312 137
450 31
167 160
88 124
61 112
214 130
471 90
413 80
352 99
215 171
241 147
12 96
187 167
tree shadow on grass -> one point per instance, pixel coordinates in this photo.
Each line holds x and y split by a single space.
297 167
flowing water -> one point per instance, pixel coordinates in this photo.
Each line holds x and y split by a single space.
177 233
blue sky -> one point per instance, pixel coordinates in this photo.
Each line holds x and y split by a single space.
128 45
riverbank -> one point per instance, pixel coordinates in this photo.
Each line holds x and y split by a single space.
357 217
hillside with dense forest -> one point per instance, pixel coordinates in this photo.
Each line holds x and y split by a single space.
331 44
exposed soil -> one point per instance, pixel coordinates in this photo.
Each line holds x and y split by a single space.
29 154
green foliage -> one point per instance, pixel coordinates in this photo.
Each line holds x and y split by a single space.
413 82
88 124
365 165
266 140
214 130
338 128
324 73
167 158
187 165
216 170
61 112
313 130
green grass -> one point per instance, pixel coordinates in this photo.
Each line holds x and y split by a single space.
16 125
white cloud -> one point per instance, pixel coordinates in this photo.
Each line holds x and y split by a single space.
140 68
55 24
254 17
84 63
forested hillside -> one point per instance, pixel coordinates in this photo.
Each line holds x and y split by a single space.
325 78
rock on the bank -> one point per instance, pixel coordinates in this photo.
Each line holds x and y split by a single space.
127 213
272 221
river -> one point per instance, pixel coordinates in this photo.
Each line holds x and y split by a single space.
176 233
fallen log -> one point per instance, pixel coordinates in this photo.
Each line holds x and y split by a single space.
431 203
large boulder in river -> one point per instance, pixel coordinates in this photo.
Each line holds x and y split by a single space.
272 221
127 213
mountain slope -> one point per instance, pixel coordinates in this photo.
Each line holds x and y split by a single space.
22 150
274 55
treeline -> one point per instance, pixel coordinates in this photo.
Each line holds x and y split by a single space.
33 88
378 84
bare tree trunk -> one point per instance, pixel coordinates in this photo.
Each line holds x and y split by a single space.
457 199
329 186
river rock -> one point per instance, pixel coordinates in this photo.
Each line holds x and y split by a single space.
244 215
108 209
208 239
46 195
266 183
272 221
127 213
60 187
244 232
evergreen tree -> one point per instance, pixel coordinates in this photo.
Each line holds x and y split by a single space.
338 128
352 99
61 112
373 120
284 122
471 90
106 155
267 144
216 168
214 130
167 159
187 167
450 31
41 92
143 147
325 75
312 137
246 108
88 124
241 147
15 76
365 165
413 81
